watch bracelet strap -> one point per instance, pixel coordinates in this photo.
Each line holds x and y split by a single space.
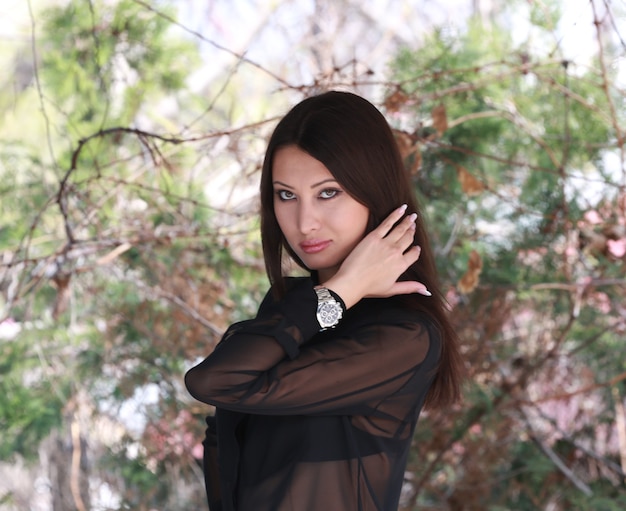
333 295
339 299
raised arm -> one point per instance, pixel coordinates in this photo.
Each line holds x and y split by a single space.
278 364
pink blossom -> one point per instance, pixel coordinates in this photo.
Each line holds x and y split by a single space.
476 429
617 247
593 217
197 451
571 251
458 448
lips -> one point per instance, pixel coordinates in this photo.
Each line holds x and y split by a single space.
314 246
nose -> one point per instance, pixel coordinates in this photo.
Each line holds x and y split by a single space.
308 217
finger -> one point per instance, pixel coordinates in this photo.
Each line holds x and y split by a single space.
407 240
409 287
402 238
404 229
412 255
387 224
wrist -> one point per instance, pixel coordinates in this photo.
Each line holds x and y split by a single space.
347 293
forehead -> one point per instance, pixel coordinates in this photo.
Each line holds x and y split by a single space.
292 165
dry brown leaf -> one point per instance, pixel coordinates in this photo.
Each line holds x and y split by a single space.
469 184
62 283
409 150
440 119
395 101
470 279
414 161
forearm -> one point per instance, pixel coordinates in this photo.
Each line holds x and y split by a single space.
251 349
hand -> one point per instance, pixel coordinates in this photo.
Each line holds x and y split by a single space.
373 267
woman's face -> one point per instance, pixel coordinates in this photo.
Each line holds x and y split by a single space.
320 221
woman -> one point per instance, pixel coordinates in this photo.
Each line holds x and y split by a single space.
318 396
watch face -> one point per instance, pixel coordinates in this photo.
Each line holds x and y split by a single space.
328 314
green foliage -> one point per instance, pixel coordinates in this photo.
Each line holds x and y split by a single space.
545 15
141 486
506 137
31 400
119 254
605 498
105 61
109 238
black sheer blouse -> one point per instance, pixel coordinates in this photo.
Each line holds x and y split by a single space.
314 421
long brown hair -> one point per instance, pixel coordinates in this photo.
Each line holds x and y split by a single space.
354 141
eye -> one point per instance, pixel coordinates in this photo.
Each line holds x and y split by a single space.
285 195
329 193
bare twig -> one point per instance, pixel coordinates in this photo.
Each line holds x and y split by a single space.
238 56
558 462
555 459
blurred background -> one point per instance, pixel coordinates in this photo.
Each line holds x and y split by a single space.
131 138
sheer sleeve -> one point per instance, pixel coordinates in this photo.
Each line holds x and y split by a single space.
280 364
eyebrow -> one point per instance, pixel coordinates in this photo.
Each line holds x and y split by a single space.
312 186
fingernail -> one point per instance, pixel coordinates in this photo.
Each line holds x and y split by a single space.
425 292
413 217
403 207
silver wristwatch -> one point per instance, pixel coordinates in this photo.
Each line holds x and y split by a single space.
329 310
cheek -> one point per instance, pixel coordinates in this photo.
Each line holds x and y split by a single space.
355 221
361 219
